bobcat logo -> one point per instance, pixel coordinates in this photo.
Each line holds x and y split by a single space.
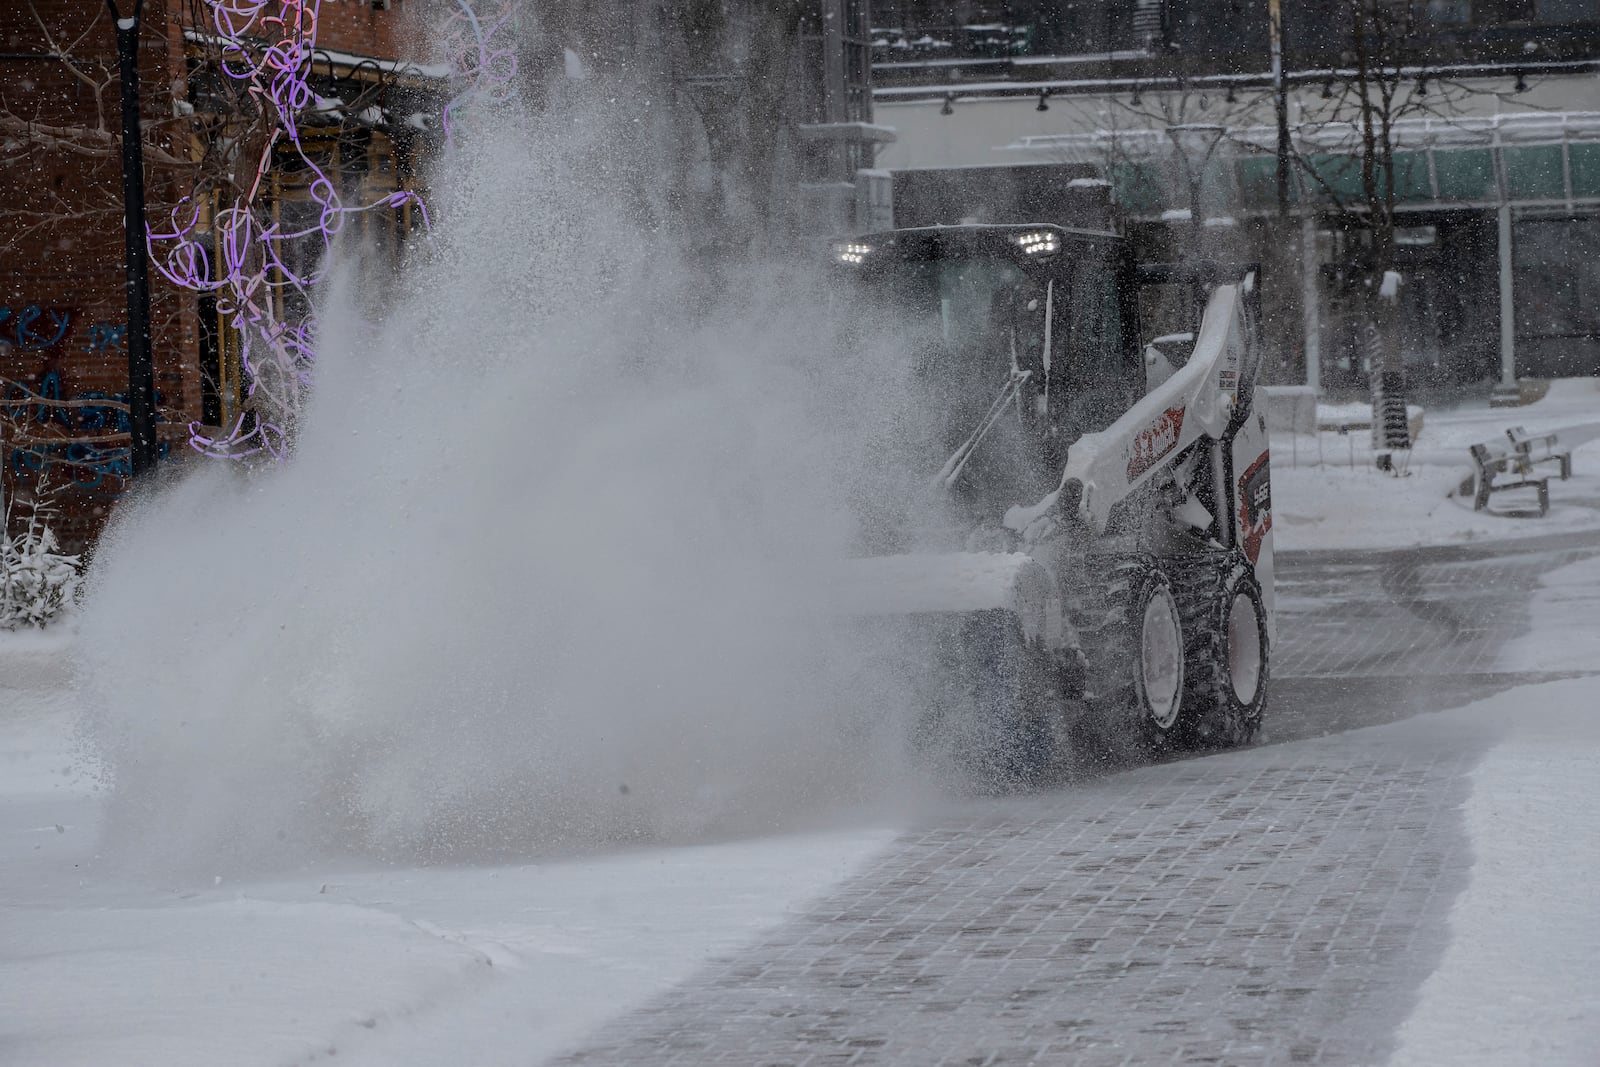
1154 442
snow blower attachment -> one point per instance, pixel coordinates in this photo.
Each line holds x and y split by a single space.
1101 575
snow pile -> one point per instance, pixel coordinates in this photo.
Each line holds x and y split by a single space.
538 574
1356 415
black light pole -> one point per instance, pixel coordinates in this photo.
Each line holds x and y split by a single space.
141 372
1280 93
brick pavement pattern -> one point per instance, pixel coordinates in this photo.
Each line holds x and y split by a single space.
1439 612
1277 905
1271 906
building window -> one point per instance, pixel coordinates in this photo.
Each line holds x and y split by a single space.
1449 12
1495 12
1508 12
1568 10
1557 287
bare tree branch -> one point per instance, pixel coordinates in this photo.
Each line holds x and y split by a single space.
81 141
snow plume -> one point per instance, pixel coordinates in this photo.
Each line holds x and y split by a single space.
538 573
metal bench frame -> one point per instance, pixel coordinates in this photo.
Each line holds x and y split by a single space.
1521 453
1520 462
1492 464
1547 445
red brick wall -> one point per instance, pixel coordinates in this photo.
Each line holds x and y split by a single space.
354 26
61 243
62 280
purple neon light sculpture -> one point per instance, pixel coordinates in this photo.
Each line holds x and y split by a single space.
246 267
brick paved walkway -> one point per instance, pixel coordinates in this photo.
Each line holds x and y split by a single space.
1439 612
1272 906
1365 638
1277 905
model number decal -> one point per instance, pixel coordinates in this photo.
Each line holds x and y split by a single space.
1151 444
1255 504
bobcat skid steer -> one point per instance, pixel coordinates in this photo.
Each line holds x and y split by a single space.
1102 581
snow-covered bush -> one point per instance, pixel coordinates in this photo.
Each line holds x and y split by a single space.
37 580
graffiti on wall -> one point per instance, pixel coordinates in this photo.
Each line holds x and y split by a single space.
34 328
78 435
103 337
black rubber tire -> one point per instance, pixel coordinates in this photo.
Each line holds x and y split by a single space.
1216 713
1109 621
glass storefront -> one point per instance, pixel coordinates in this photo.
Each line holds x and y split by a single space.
1556 279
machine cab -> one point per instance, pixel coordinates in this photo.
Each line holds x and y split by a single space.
1024 337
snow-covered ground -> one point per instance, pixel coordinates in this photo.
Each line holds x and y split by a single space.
1327 493
365 963
1519 983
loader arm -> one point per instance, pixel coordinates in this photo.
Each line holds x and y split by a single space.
1198 401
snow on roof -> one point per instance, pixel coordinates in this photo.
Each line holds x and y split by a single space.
1259 79
1478 131
436 71
848 131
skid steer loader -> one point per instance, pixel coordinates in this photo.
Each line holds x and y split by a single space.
1105 579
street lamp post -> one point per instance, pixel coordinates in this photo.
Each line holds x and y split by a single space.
141 372
1280 94
1310 324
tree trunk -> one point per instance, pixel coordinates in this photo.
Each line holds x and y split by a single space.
1390 429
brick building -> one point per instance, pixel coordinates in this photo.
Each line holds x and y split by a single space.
782 96
63 305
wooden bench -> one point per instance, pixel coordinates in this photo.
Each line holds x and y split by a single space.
1491 465
1518 457
1541 448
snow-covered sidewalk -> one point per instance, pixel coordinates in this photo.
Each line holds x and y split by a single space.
513 964
1519 983
482 966
469 965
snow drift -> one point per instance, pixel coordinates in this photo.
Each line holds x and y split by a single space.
537 574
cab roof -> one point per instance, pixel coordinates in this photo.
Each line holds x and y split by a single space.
930 242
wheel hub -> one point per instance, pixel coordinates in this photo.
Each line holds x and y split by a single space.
1161 658
1244 648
